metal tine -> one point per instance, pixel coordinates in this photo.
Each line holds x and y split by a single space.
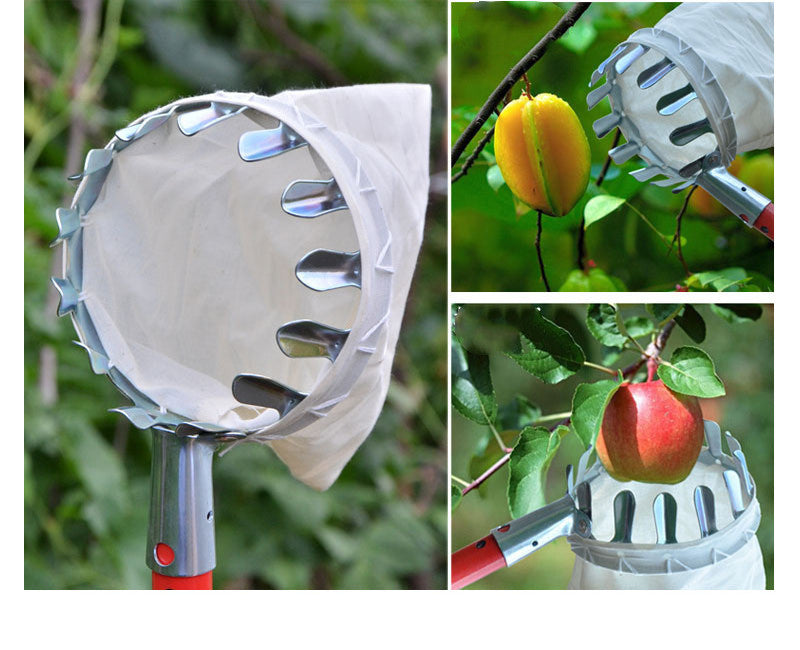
665 513
598 94
596 74
262 391
192 122
100 362
624 508
685 134
734 485
736 451
193 429
136 131
646 173
626 61
69 221
654 73
583 493
682 187
96 160
704 505
322 270
309 199
713 436
667 182
583 463
672 102
606 125
570 479
137 416
260 145
308 338
68 296
624 152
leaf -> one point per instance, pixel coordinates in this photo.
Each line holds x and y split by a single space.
691 371
527 468
579 37
731 279
692 323
473 393
455 496
639 326
599 207
663 313
588 405
517 414
548 351
738 313
495 177
601 320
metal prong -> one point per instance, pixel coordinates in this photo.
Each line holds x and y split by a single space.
583 463
68 296
307 338
99 361
136 131
570 479
734 485
323 270
624 508
624 152
96 160
667 182
597 95
682 187
654 74
138 417
672 102
646 173
262 391
683 135
628 59
739 456
69 221
260 145
704 505
310 199
583 494
606 125
713 438
665 513
192 122
596 74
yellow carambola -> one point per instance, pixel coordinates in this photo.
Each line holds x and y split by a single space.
543 153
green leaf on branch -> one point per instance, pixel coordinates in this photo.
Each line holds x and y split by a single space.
495 177
731 279
517 414
588 405
600 207
455 496
473 393
692 323
601 320
739 313
691 371
663 313
639 326
527 468
579 37
548 351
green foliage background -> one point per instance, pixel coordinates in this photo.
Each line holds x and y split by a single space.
493 248
747 411
383 524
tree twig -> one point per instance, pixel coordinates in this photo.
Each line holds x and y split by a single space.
473 156
677 237
514 75
539 250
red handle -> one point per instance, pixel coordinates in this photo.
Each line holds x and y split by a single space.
202 581
765 222
475 561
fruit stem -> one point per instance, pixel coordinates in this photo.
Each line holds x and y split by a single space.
596 366
651 368
539 250
527 86
554 416
461 481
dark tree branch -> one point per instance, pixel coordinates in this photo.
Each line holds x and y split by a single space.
677 237
539 250
514 75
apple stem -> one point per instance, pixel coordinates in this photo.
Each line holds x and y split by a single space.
651 368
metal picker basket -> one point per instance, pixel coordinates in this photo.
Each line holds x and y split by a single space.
699 533
238 266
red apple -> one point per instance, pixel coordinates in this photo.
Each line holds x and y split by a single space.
650 434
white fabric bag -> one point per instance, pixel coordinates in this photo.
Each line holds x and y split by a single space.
187 264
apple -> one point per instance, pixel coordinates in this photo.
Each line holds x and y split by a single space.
650 434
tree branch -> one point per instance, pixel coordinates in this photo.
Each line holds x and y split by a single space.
677 237
473 156
514 75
